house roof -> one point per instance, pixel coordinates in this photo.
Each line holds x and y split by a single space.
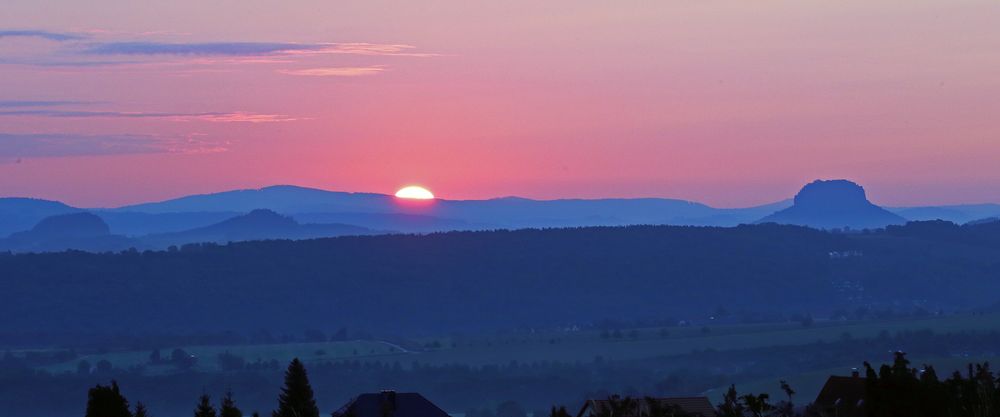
390 404
842 395
699 406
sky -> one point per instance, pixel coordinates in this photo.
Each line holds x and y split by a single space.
730 103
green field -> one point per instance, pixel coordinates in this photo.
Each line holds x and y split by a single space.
556 346
283 353
585 346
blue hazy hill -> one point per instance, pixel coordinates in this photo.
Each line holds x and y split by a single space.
260 224
18 214
822 204
81 230
829 204
507 212
958 213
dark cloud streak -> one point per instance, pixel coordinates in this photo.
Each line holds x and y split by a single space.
14 145
17 146
207 48
206 116
249 49
36 103
42 34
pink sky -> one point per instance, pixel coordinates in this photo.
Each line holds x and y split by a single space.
729 103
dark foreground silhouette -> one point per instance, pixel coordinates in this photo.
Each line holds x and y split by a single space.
895 390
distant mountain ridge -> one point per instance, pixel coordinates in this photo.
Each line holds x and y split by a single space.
280 198
506 212
260 224
88 232
959 213
821 204
81 230
19 214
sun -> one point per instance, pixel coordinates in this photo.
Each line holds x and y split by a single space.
415 192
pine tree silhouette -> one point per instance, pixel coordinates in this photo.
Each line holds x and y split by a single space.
140 410
204 408
228 407
296 399
107 401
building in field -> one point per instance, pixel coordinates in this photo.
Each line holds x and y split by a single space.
841 396
390 404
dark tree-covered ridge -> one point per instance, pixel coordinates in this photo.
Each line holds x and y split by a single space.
492 280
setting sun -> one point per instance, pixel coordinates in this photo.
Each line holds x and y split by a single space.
415 192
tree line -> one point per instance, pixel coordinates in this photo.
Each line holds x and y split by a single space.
556 278
295 400
896 390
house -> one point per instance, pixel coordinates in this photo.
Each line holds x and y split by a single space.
641 407
841 396
390 404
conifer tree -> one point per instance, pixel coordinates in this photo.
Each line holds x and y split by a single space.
228 407
296 399
204 408
107 401
559 412
140 410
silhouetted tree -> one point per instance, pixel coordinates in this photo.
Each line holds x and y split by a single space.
657 408
559 412
785 408
204 408
296 399
228 407
731 405
140 410
787 389
757 405
107 401
749 405
899 390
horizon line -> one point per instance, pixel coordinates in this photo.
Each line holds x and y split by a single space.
261 188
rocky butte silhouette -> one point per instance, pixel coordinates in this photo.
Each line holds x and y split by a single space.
830 204
74 225
260 224
66 231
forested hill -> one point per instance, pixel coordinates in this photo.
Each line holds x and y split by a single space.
471 281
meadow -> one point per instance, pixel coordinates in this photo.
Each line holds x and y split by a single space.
552 346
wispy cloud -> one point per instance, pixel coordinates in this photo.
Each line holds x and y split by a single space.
63 62
42 34
15 146
208 48
248 49
95 50
335 71
35 103
239 117
220 117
